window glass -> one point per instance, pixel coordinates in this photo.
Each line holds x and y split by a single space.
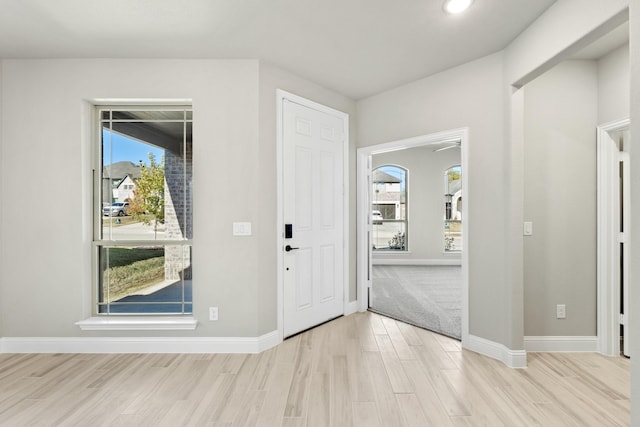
144 214
389 208
453 209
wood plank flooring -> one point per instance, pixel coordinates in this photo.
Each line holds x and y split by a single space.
360 370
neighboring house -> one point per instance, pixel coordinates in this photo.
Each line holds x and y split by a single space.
123 192
387 197
119 181
455 190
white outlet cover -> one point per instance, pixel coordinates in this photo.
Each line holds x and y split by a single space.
213 313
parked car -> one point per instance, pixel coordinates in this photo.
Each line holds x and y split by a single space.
376 217
116 209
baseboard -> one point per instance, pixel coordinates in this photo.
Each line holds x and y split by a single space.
404 261
561 344
494 350
139 344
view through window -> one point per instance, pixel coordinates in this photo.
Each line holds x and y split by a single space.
453 209
143 227
389 208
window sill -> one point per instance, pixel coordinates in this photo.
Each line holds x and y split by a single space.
146 323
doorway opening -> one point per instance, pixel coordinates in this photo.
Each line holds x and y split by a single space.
412 231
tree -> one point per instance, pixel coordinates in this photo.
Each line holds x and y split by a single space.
453 173
148 195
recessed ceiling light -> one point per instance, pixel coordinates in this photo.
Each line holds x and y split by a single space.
457 6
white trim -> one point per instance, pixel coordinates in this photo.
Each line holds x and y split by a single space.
137 323
363 215
391 261
139 344
560 344
608 287
142 102
494 350
363 229
281 96
351 307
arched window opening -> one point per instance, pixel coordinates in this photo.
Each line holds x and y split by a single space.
453 209
389 208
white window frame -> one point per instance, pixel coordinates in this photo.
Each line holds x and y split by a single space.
127 321
406 209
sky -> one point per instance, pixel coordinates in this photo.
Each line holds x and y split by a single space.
396 172
123 149
400 174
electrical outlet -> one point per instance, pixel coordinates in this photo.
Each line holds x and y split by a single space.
561 311
213 313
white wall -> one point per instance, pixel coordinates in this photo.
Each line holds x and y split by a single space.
45 264
561 115
272 78
614 85
565 28
467 96
425 200
234 136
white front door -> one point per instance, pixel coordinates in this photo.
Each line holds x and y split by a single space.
313 211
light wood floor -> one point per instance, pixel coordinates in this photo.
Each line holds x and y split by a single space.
363 370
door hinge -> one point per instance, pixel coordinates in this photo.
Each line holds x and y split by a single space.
623 319
622 238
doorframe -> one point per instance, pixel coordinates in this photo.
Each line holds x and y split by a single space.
283 96
608 284
363 206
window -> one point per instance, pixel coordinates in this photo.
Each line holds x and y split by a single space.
453 209
143 210
389 208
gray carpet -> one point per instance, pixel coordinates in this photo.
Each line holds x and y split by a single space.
425 296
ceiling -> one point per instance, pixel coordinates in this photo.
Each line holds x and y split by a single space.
356 47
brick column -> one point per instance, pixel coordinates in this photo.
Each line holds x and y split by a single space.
178 222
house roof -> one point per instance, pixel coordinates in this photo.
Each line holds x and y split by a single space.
119 170
380 177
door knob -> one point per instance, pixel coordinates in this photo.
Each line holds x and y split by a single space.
289 248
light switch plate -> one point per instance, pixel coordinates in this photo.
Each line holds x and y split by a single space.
242 229
528 228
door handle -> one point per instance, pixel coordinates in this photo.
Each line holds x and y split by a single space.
289 248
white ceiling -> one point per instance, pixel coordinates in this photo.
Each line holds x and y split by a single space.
356 47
